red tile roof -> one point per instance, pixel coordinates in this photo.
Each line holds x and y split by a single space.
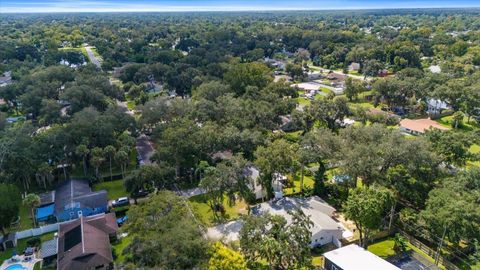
421 125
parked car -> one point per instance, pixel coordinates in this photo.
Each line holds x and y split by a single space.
121 220
123 201
141 193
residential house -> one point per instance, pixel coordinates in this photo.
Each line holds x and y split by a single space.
85 243
435 69
354 66
313 75
325 229
336 76
256 187
419 126
383 73
436 106
74 198
6 78
353 257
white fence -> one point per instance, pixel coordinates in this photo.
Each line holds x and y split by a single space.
37 231
44 229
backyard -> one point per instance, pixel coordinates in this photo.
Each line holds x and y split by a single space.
115 189
203 211
22 244
385 250
475 149
447 121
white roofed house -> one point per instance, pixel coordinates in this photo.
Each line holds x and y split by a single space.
436 106
324 230
6 78
353 257
256 187
354 66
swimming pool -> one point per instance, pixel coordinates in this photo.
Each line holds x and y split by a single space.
16 267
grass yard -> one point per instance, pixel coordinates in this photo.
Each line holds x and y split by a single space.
131 104
317 260
307 183
303 101
293 136
325 90
76 49
475 149
384 249
118 248
22 244
25 219
77 171
115 189
448 120
205 214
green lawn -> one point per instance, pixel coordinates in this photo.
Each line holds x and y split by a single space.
475 149
37 266
115 189
76 49
21 245
205 214
118 248
448 120
293 136
325 90
303 101
131 104
25 219
384 249
77 171
307 183
317 260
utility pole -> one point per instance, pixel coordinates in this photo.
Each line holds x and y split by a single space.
437 257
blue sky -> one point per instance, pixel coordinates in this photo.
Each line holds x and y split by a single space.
9 6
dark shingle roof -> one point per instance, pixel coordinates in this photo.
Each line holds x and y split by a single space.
92 249
79 194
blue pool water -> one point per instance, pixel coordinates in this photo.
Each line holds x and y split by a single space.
16 267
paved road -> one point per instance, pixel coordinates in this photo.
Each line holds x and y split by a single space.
191 192
145 148
92 57
357 77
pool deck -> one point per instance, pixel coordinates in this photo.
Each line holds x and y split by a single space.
29 265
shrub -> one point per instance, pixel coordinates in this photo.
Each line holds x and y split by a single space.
34 242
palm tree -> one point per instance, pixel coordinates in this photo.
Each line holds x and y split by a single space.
32 201
110 153
82 150
44 174
122 158
97 159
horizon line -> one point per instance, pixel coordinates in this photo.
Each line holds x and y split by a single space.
239 10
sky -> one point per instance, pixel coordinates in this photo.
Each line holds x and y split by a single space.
33 6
